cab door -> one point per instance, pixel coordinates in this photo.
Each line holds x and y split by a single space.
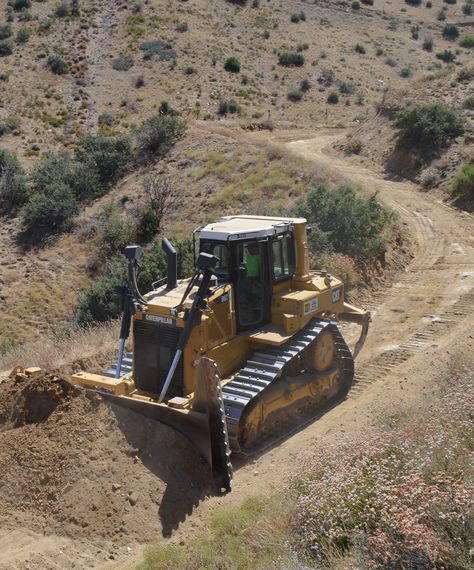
252 284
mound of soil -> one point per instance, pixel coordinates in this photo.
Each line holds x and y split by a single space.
75 466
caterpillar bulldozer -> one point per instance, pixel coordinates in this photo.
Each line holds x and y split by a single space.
246 344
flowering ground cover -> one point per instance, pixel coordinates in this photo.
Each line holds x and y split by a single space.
396 499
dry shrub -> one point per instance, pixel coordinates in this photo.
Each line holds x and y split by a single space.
51 353
341 266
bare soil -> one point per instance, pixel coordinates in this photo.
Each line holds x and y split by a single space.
84 481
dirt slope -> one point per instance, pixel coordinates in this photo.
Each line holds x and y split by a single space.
82 481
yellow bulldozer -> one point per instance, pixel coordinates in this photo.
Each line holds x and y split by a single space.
232 354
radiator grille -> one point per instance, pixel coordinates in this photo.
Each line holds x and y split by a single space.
154 349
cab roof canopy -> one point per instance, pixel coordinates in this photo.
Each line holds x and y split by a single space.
247 227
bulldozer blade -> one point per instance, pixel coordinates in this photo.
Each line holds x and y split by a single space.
204 425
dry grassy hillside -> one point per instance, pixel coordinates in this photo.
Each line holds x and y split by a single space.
126 57
104 67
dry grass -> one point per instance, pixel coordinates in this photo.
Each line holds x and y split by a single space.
93 348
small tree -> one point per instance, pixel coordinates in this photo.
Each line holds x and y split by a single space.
429 126
157 134
157 203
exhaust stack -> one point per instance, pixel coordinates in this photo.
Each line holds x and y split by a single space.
172 278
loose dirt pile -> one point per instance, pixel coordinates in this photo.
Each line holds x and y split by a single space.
73 465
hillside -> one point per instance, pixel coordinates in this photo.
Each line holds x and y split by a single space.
123 121
119 61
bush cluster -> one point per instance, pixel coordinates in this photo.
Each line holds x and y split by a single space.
344 223
291 59
61 182
428 127
101 302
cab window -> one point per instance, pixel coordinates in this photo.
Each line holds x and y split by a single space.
221 251
283 258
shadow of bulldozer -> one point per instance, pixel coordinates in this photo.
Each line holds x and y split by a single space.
172 459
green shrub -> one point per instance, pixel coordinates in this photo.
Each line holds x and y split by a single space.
9 125
13 192
164 50
5 31
295 96
157 134
368 2
100 302
447 56
62 10
6 48
333 98
415 31
467 41
20 5
291 59
57 65
295 18
450 32
23 35
469 103
85 181
182 27
467 9
223 107
405 72
428 44
428 127
359 48
346 88
345 223
123 63
465 75
305 85
50 212
232 64
111 157
355 5
441 16
463 183
413 2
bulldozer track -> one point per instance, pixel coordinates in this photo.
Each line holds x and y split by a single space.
267 365
437 326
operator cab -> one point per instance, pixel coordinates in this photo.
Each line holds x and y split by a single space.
254 254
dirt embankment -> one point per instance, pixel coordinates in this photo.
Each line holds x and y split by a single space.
74 467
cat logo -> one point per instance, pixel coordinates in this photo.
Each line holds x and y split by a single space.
336 295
